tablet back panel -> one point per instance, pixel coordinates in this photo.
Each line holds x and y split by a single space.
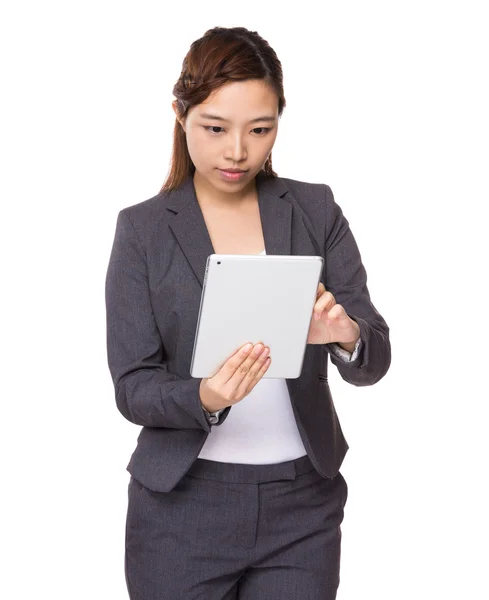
252 298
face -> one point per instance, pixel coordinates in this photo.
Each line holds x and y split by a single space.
238 133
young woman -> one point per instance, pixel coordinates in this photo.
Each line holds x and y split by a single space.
235 489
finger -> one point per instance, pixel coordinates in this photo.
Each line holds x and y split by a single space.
221 364
247 369
238 385
239 373
250 377
336 312
321 289
228 368
256 376
325 303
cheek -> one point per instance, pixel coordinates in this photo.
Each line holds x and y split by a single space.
269 141
267 148
198 146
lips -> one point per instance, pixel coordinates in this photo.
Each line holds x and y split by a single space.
232 170
231 176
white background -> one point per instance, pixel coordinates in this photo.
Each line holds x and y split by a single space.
387 102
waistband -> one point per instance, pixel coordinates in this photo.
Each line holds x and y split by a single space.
245 473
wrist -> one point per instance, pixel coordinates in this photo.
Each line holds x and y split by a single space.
350 346
206 405
209 410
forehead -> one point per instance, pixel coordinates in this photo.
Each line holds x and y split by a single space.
239 99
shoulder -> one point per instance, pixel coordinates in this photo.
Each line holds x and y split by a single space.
317 205
146 210
314 199
148 218
306 193
145 221
297 184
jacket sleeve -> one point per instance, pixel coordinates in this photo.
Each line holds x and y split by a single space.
146 393
346 279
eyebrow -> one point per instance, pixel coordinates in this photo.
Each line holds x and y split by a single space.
217 118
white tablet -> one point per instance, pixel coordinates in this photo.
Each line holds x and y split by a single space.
256 298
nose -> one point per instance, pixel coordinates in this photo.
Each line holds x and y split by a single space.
236 149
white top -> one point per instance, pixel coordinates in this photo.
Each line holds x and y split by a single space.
261 428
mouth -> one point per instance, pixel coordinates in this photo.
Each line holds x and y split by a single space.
231 175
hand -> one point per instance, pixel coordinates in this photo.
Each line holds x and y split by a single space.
235 378
333 324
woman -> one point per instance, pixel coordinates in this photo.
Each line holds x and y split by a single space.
235 489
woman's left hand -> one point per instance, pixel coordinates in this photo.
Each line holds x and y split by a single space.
333 324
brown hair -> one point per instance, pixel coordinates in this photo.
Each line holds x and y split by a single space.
221 55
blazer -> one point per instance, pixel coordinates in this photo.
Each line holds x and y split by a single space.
152 294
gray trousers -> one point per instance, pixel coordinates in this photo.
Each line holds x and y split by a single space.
233 531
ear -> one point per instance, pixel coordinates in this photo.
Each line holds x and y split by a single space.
175 110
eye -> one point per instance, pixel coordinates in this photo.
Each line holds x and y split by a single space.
209 127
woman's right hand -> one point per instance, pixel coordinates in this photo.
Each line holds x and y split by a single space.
235 378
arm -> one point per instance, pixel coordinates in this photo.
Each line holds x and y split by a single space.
346 279
146 392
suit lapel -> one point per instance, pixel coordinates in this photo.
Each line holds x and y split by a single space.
191 232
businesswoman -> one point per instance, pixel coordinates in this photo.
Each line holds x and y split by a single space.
235 489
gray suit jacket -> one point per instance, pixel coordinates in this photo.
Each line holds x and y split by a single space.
153 288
